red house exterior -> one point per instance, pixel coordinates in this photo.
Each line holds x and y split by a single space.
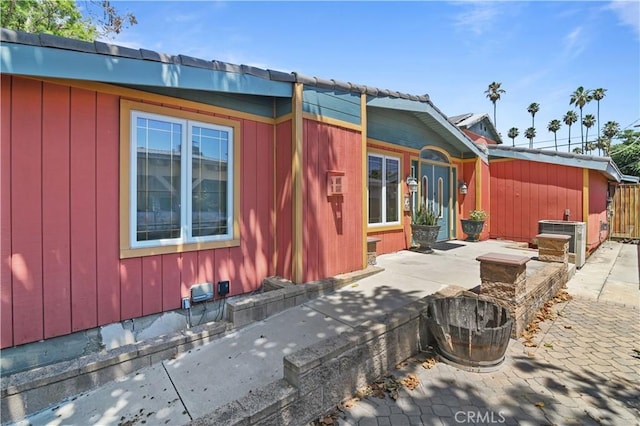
128 176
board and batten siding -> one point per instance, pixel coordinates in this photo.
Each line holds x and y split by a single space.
61 269
332 226
597 231
524 192
283 200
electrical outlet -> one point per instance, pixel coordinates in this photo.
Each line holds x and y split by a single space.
186 303
223 288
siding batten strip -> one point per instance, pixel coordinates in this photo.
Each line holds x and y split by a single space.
585 201
296 174
365 185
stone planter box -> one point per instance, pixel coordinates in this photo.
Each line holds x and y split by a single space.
425 236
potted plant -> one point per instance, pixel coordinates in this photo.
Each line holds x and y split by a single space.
474 224
425 228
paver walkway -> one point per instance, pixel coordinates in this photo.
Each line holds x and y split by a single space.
584 371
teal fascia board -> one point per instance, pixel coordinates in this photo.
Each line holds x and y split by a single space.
448 131
39 61
333 104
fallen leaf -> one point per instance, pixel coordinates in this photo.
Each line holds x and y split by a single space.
327 421
429 363
531 354
568 327
548 345
539 404
411 381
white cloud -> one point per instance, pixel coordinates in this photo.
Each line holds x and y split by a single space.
477 17
575 42
628 13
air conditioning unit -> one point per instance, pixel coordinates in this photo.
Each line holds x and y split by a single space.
576 230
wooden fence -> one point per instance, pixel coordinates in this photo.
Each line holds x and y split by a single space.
625 222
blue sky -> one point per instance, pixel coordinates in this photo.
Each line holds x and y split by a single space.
540 51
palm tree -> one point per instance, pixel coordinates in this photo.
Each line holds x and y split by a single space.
588 122
569 118
553 126
493 92
603 143
598 94
580 98
530 133
611 128
513 134
533 108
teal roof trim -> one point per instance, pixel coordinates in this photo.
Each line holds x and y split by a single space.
344 106
405 129
284 106
39 61
602 164
258 105
434 119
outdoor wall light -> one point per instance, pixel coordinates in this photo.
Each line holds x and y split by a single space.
463 187
412 183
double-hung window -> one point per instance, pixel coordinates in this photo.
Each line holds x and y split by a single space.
384 189
181 182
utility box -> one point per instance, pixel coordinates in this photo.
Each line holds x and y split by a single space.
576 230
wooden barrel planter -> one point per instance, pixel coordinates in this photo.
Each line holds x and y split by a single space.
472 334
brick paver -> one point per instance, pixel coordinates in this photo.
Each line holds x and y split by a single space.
584 371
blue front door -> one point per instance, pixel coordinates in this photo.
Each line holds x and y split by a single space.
435 194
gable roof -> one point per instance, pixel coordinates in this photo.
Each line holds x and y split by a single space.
465 121
605 165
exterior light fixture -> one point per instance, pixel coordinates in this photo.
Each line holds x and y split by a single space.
412 183
463 187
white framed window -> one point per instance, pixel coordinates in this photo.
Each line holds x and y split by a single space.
383 174
181 181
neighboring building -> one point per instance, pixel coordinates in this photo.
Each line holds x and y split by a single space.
129 175
478 127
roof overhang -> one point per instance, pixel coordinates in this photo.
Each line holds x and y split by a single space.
43 62
605 165
432 117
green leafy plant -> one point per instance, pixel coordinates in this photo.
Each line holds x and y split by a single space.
425 216
477 215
